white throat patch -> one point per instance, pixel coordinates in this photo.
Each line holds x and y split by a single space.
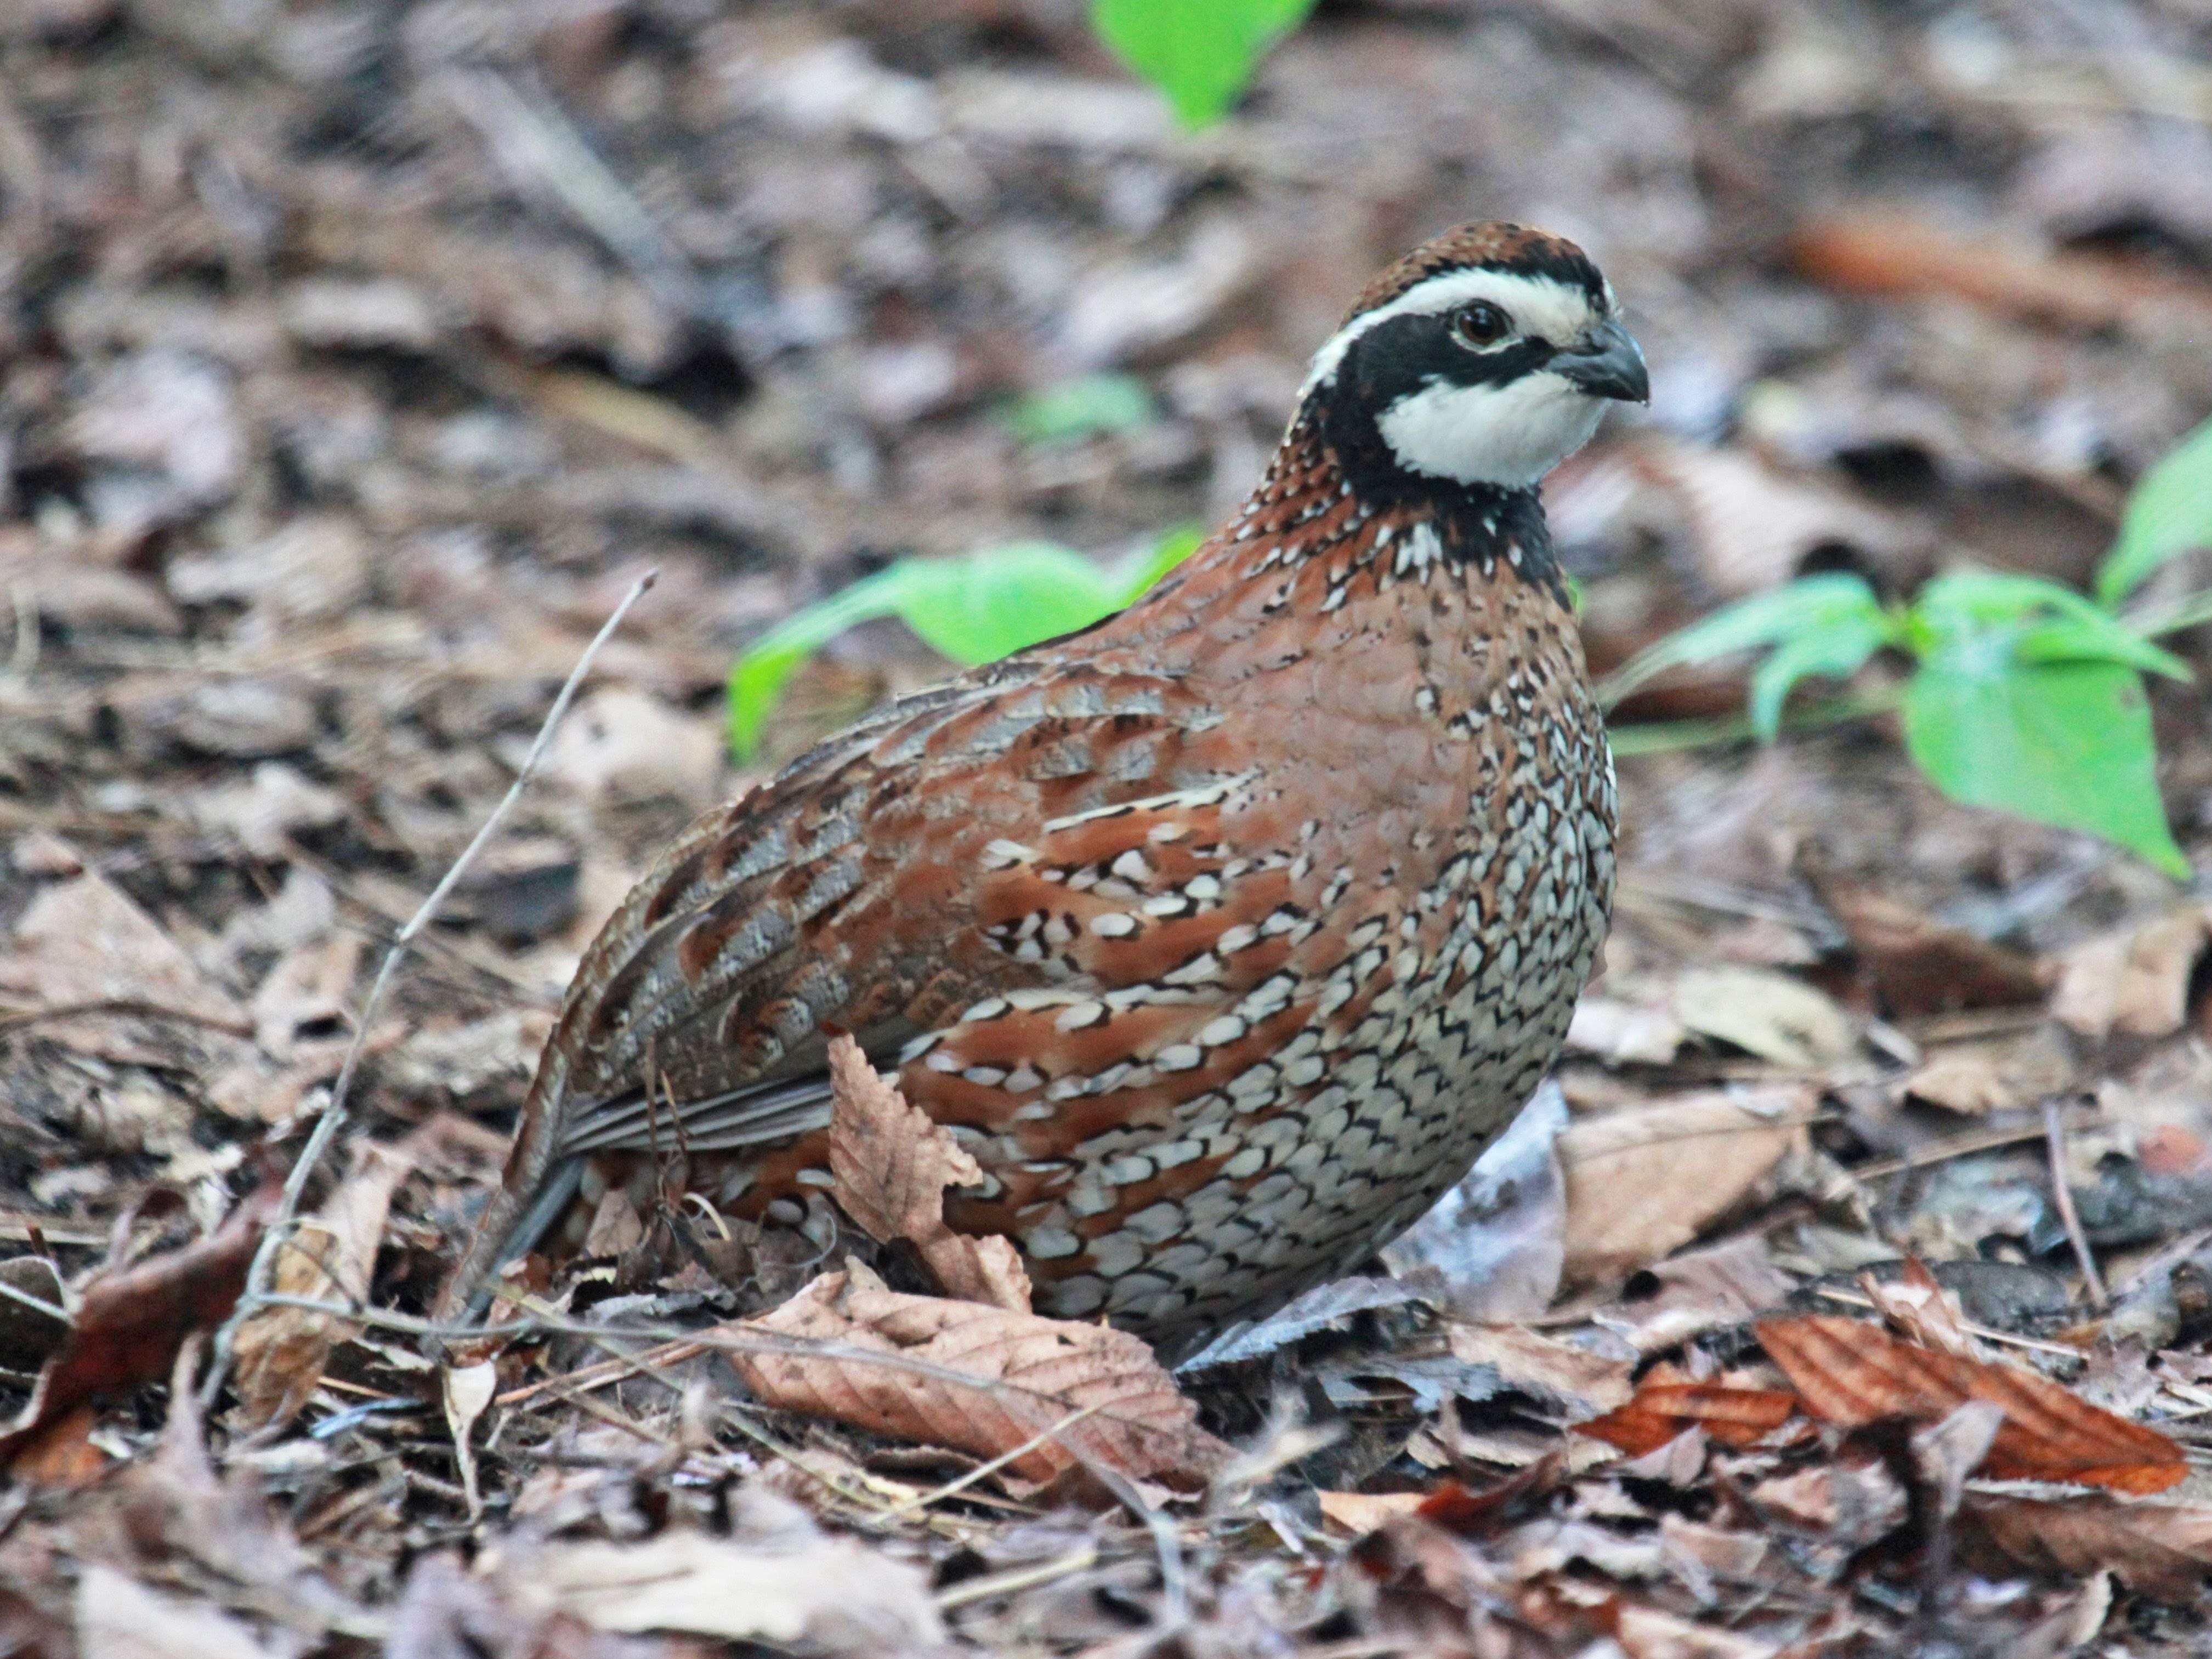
1509 435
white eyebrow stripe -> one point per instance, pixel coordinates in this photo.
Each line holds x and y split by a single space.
1538 305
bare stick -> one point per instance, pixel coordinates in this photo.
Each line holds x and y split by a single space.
333 1118
2061 1194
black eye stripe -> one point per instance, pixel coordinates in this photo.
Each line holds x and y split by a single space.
1406 353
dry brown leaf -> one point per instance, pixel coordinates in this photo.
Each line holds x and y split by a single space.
130 1324
1642 1183
1667 1404
1852 1373
1994 1074
2163 1550
829 1595
893 1166
1918 964
281 1352
83 944
1360 1512
1751 524
1647 1633
2135 983
995 1380
119 1618
1718 1284
1771 1015
61 1456
1879 252
1534 1364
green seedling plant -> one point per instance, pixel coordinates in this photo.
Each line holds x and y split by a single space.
1200 53
973 609
1088 406
2024 695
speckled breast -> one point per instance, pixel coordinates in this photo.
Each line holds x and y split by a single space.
1431 1012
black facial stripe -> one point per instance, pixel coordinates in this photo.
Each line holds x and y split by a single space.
1400 357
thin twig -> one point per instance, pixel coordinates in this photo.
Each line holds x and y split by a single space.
1986 1333
333 1117
136 1007
1174 1584
607 1371
1965 1146
2061 1194
37 1303
1018 1578
953 1488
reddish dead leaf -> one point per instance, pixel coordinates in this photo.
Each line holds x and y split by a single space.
995 1380
2163 1550
893 1166
1852 1373
61 1456
131 1324
1456 1508
1890 254
1664 1408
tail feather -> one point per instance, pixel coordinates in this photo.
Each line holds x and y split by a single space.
534 1187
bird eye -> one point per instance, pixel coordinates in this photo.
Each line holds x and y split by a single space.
1481 323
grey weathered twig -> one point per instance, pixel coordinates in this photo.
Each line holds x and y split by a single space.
257 1280
2062 1195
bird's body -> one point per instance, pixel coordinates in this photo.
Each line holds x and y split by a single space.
1224 935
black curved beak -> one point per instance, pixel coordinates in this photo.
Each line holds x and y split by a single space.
1609 364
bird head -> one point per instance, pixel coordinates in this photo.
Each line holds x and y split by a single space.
1484 357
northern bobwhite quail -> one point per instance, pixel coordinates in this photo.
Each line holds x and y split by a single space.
1225 934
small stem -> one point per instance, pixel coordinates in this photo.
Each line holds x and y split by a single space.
1659 736
2061 1194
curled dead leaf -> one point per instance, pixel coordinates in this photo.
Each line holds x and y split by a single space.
893 1166
981 1380
1922 1311
1852 1373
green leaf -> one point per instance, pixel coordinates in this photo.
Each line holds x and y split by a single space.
973 609
1838 651
2066 743
1200 53
1999 614
980 607
1831 603
1081 408
1164 556
2169 515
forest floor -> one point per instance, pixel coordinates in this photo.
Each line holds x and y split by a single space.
358 357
